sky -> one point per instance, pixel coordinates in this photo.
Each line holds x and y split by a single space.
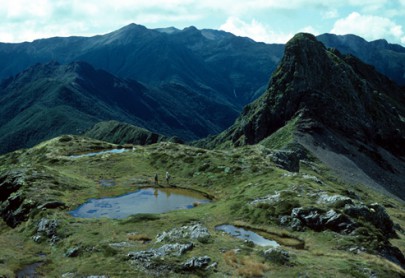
270 21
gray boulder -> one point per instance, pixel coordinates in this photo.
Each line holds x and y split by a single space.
47 227
319 220
72 252
175 249
277 255
334 200
193 232
196 263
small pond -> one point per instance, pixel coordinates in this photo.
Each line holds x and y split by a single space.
98 153
145 200
246 235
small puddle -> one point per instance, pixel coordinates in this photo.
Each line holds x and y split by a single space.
114 151
31 270
145 200
242 233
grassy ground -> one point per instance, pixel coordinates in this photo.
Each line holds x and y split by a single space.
233 177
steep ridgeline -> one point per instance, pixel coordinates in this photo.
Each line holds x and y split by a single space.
47 100
340 109
122 133
212 63
387 58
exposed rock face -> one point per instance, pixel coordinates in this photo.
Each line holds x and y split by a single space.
314 82
193 232
319 220
14 207
174 249
46 229
286 159
311 84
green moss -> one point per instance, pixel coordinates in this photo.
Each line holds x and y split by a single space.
282 137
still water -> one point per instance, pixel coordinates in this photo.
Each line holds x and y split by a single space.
98 153
145 200
246 235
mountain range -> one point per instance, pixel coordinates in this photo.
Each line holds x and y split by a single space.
204 75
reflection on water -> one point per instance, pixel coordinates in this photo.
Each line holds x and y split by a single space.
246 235
146 200
98 153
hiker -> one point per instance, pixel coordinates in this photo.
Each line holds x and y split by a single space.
167 177
156 179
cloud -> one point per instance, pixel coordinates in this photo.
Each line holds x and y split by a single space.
330 14
370 27
27 20
259 31
254 30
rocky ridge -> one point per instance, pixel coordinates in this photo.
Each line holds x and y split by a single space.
323 98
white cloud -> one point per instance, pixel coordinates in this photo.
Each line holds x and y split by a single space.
370 27
330 14
27 19
254 30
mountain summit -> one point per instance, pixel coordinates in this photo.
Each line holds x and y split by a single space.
335 101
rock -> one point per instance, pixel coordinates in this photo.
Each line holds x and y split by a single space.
175 249
72 252
47 227
375 214
287 160
269 200
68 275
193 232
37 238
52 205
297 225
319 220
120 244
214 265
277 255
312 178
337 222
357 249
196 263
14 207
392 254
334 199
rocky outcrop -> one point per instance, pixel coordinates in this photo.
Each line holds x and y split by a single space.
47 229
152 260
286 159
374 214
13 205
319 220
311 84
196 263
193 232
174 249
